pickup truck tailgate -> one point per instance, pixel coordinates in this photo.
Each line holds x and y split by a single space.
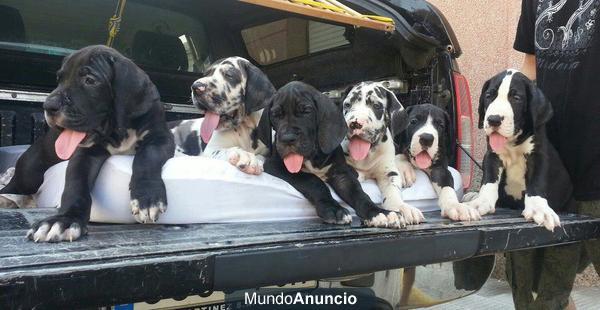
125 263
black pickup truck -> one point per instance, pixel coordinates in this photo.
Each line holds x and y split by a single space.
207 266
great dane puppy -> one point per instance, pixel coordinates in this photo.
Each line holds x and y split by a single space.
306 152
521 169
425 142
103 105
374 116
232 95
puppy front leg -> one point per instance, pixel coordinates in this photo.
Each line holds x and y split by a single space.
247 162
449 204
313 189
406 169
74 212
343 179
389 182
147 189
537 208
485 202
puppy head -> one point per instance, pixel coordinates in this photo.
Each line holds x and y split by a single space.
426 135
369 111
511 108
305 122
231 89
98 92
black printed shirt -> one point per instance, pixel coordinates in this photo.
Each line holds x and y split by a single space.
564 36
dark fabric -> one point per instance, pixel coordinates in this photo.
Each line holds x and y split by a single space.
564 38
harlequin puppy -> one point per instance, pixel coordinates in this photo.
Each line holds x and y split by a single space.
374 116
425 143
232 95
522 170
103 105
307 153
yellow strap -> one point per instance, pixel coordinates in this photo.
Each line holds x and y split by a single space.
319 5
114 23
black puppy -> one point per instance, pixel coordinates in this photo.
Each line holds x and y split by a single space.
103 105
425 143
521 169
308 131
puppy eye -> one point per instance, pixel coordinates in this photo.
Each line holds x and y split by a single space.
413 121
90 81
439 123
377 106
516 97
347 105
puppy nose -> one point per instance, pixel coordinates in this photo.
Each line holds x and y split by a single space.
199 87
52 105
426 139
355 125
288 138
495 120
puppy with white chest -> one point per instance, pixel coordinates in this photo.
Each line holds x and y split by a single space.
307 153
232 95
425 143
522 170
374 116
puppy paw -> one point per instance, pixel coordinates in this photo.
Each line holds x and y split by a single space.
470 196
335 215
411 214
7 203
147 213
482 204
148 201
538 211
460 212
56 229
245 161
407 172
385 219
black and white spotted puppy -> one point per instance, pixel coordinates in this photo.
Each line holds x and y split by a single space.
522 170
232 95
425 142
374 115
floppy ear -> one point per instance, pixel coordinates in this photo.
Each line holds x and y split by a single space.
133 92
258 87
396 113
263 130
539 108
481 109
331 126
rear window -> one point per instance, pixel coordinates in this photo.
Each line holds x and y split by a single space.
290 38
154 37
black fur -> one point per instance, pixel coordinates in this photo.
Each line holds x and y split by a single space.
104 94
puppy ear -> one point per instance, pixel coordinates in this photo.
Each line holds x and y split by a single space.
263 130
331 126
133 92
539 107
481 109
258 87
396 113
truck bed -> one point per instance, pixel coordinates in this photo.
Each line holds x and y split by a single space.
125 263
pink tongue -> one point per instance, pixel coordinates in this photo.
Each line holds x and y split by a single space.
423 160
359 148
497 142
209 124
67 142
293 162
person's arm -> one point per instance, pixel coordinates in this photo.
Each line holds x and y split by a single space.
528 67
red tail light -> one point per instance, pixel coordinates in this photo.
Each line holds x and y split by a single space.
465 132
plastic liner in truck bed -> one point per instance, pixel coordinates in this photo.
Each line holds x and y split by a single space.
125 263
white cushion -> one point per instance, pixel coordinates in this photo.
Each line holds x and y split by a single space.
204 190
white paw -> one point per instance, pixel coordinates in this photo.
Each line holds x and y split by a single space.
482 204
470 196
56 232
147 215
538 211
245 161
411 214
391 220
407 172
460 212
